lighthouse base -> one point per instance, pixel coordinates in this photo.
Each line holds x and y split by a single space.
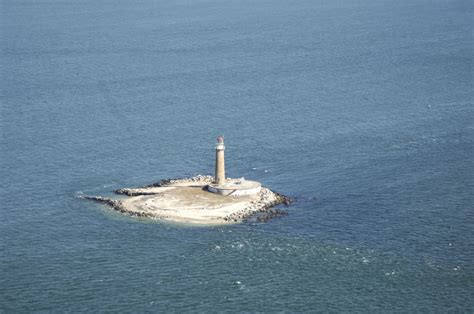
236 187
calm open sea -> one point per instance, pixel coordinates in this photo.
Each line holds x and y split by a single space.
361 110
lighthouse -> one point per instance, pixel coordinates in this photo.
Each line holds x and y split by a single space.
219 178
233 187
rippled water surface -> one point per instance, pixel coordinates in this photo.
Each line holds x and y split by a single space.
361 110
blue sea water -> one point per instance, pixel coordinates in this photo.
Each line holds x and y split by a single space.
360 110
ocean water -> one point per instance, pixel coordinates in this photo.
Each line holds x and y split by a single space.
360 110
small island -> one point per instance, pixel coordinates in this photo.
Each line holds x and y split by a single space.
201 199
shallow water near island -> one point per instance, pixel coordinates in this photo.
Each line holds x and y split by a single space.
361 111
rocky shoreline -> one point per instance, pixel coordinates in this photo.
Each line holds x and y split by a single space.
187 200
173 181
116 205
264 205
199 180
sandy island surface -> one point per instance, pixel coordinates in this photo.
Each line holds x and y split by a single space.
188 201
